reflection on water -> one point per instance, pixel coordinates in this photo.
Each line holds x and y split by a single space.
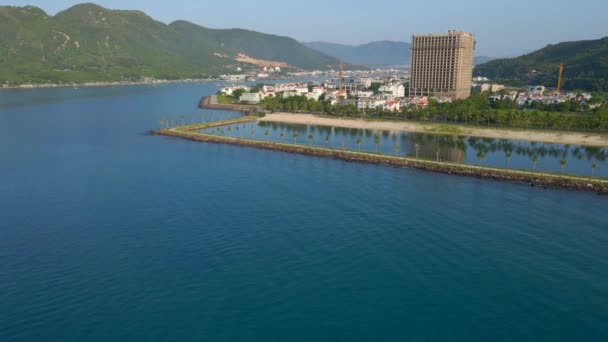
459 149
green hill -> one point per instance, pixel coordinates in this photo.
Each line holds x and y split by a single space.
90 43
585 63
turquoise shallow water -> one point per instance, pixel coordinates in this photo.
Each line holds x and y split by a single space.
110 234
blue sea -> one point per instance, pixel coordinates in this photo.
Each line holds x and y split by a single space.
110 234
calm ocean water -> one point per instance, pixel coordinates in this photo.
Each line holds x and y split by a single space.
108 234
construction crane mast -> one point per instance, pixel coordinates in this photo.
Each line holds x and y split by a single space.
341 73
560 74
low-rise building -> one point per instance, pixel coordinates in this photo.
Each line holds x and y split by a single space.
253 98
395 90
230 90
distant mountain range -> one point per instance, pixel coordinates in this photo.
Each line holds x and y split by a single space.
585 66
383 53
90 43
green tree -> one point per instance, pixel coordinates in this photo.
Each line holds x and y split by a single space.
563 163
534 162
480 156
593 167
508 156
359 142
310 139
377 141
295 137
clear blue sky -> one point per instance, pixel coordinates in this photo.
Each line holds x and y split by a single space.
502 27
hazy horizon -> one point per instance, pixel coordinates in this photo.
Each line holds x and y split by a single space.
501 30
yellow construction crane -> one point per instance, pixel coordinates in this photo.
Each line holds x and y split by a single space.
560 68
341 75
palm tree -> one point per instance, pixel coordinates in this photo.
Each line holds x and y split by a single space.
192 119
162 122
480 156
377 141
437 153
252 134
282 135
211 117
593 167
563 163
266 134
203 117
396 149
327 140
229 130
508 156
172 120
417 150
534 162
295 137
183 118
359 142
310 139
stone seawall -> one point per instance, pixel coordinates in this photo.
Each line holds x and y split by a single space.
536 179
210 102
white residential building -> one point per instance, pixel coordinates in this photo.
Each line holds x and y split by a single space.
230 90
250 97
395 90
370 103
365 94
313 96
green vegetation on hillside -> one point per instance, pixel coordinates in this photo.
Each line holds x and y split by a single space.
585 63
90 43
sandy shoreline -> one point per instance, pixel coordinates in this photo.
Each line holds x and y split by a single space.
573 138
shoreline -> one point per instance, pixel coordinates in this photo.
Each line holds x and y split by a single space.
105 84
572 138
534 179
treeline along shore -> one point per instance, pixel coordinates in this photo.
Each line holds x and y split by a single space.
597 139
535 179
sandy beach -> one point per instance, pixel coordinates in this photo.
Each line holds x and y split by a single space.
573 138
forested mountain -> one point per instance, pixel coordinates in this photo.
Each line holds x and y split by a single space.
90 43
585 66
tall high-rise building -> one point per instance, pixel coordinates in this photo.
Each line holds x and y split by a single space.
442 65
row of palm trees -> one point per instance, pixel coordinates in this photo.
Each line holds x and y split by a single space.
481 153
173 121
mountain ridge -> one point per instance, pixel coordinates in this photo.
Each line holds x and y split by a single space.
585 65
88 43
385 52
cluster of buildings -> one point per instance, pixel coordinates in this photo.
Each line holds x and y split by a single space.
441 69
540 94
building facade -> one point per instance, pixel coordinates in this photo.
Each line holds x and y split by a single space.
442 65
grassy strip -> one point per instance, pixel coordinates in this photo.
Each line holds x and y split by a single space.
540 179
